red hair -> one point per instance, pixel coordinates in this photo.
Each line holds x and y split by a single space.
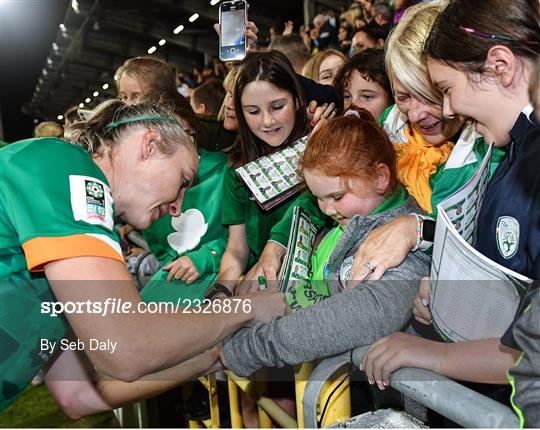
351 146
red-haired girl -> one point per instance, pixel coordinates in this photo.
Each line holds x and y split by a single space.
349 165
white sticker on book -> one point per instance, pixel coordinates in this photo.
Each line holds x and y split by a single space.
91 201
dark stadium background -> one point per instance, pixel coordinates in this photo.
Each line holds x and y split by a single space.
96 41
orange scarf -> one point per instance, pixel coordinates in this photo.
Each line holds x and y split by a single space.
417 161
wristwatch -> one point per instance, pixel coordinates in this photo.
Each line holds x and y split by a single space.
425 232
217 289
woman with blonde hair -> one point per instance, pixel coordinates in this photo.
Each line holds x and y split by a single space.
436 155
226 113
138 75
323 66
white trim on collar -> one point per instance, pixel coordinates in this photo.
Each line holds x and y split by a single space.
528 110
463 152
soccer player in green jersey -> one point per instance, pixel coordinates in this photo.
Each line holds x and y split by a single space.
60 260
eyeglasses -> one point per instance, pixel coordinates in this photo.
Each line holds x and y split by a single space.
497 36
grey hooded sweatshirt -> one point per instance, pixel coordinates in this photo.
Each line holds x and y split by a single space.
347 319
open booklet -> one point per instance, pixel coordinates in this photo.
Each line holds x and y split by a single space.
296 268
471 296
275 177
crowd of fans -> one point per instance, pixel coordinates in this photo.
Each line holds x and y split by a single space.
399 103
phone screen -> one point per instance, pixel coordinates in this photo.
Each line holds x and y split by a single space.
233 25
233 28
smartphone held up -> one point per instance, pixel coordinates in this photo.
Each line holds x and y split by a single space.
232 40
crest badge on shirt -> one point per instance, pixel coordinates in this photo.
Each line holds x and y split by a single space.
507 236
91 200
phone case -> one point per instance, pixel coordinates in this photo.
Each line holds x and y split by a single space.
233 52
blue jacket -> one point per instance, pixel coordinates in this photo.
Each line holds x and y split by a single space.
509 220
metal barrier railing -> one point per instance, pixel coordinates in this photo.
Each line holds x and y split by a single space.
446 397
316 384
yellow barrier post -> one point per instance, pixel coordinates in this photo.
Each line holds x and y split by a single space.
210 384
193 424
234 404
265 422
339 403
301 376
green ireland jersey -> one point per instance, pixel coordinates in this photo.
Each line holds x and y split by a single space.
55 203
240 207
197 233
308 202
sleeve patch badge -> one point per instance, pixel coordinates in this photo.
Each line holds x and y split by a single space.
91 201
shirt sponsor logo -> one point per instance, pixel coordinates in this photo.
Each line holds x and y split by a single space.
507 236
91 201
